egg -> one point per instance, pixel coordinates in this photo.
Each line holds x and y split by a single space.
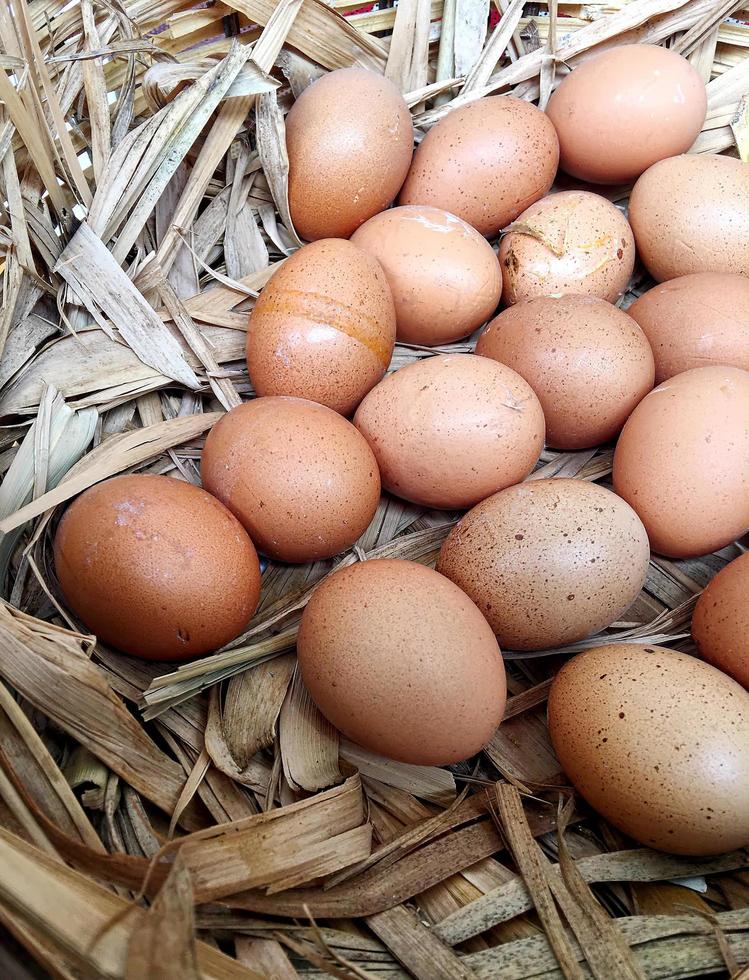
548 562
402 662
300 477
682 461
443 275
448 431
349 138
569 242
720 624
485 162
624 109
658 743
691 214
156 567
323 327
696 320
588 362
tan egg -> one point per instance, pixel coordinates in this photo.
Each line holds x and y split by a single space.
548 562
299 477
444 276
588 362
402 662
485 162
323 327
691 214
720 624
570 242
696 320
349 137
682 461
449 430
658 743
156 567
623 109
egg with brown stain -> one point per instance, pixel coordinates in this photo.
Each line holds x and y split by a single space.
720 624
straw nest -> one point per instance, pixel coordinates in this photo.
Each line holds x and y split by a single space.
216 789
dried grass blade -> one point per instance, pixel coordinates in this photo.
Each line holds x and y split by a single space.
271 145
471 20
95 86
252 705
409 46
308 742
426 782
417 948
495 47
266 956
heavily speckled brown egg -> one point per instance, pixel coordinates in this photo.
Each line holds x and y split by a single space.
720 624
299 477
548 562
402 662
588 362
349 137
449 430
485 162
682 461
570 242
658 743
156 567
444 276
323 327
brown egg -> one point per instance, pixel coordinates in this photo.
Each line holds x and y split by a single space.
720 625
485 162
444 276
695 321
323 328
570 242
658 743
548 562
448 431
691 214
402 662
299 477
350 138
682 461
588 362
623 109
156 567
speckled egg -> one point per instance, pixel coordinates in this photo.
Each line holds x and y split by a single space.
323 327
658 743
299 477
448 431
548 562
402 662
720 624
156 567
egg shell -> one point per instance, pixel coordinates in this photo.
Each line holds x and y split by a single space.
323 327
300 477
349 138
443 275
658 743
486 162
588 362
548 562
570 242
696 320
402 662
691 214
624 109
682 461
156 567
448 431
720 624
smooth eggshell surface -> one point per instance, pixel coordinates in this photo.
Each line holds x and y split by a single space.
720 624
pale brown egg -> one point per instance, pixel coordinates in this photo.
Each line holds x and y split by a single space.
156 567
444 276
548 562
402 662
682 461
323 327
720 624
486 162
448 431
299 477
570 242
588 362
349 137
624 109
658 743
